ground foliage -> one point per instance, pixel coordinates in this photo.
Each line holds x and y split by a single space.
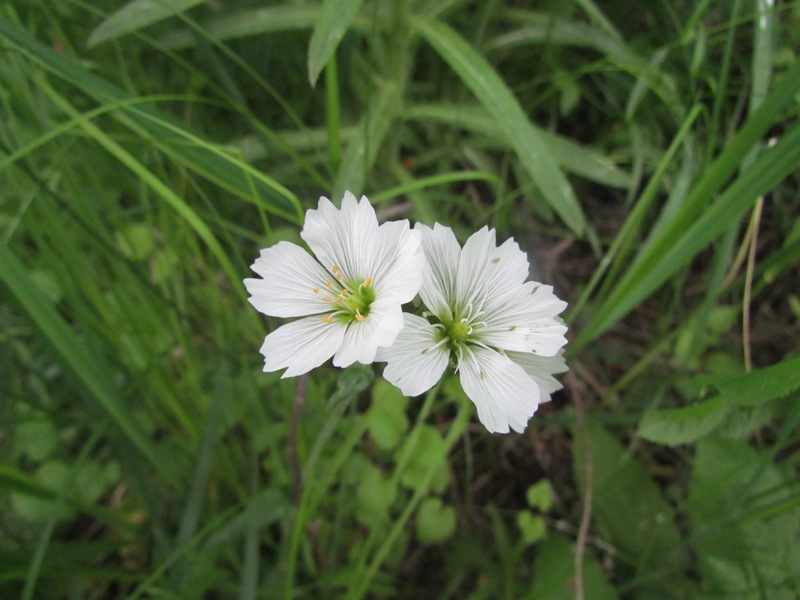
644 157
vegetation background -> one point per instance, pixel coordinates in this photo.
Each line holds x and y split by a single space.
644 154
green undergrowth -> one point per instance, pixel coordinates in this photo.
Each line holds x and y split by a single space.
645 158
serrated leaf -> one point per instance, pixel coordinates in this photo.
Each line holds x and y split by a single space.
757 387
334 19
673 426
137 14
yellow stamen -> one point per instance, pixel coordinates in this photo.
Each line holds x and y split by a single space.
359 317
327 319
335 269
339 276
316 290
327 299
367 282
330 284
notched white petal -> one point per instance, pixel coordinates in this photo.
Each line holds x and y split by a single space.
292 284
503 393
542 370
415 364
301 345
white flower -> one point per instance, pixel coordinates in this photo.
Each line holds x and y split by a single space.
350 295
502 334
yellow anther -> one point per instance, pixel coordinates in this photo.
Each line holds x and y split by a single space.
327 319
339 276
359 317
368 282
335 269
330 284
345 291
316 290
327 299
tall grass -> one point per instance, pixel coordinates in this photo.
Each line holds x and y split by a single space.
645 159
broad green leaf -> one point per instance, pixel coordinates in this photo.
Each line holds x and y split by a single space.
673 426
744 512
435 522
136 15
554 573
334 19
628 510
387 416
90 369
532 527
526 140
757 387
540 495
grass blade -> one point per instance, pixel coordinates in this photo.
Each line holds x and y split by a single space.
532 151
334 19
135 15
92 372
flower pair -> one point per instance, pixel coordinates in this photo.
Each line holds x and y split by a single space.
501 333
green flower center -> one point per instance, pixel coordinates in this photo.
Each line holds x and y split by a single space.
350 299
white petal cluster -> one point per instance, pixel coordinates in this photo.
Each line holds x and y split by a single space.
349 296
501 332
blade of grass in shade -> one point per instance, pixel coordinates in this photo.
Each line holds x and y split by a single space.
197 493
135 15
332 23
544 28
532 151
571 156
223 171
682 240
158 186
428 182
333 113
89 369
364 145
247 23
628 234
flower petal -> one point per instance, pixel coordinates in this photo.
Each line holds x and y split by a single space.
362 339
345 238
442 251
413 365
290 276
503 393
541 369
525 320
398 264
301 345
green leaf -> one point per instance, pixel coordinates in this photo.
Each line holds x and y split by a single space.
673 426
757 387
386 418
435 522
526 140
540 495
554 573
334 19
531 526
137 14
731 487
629 511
